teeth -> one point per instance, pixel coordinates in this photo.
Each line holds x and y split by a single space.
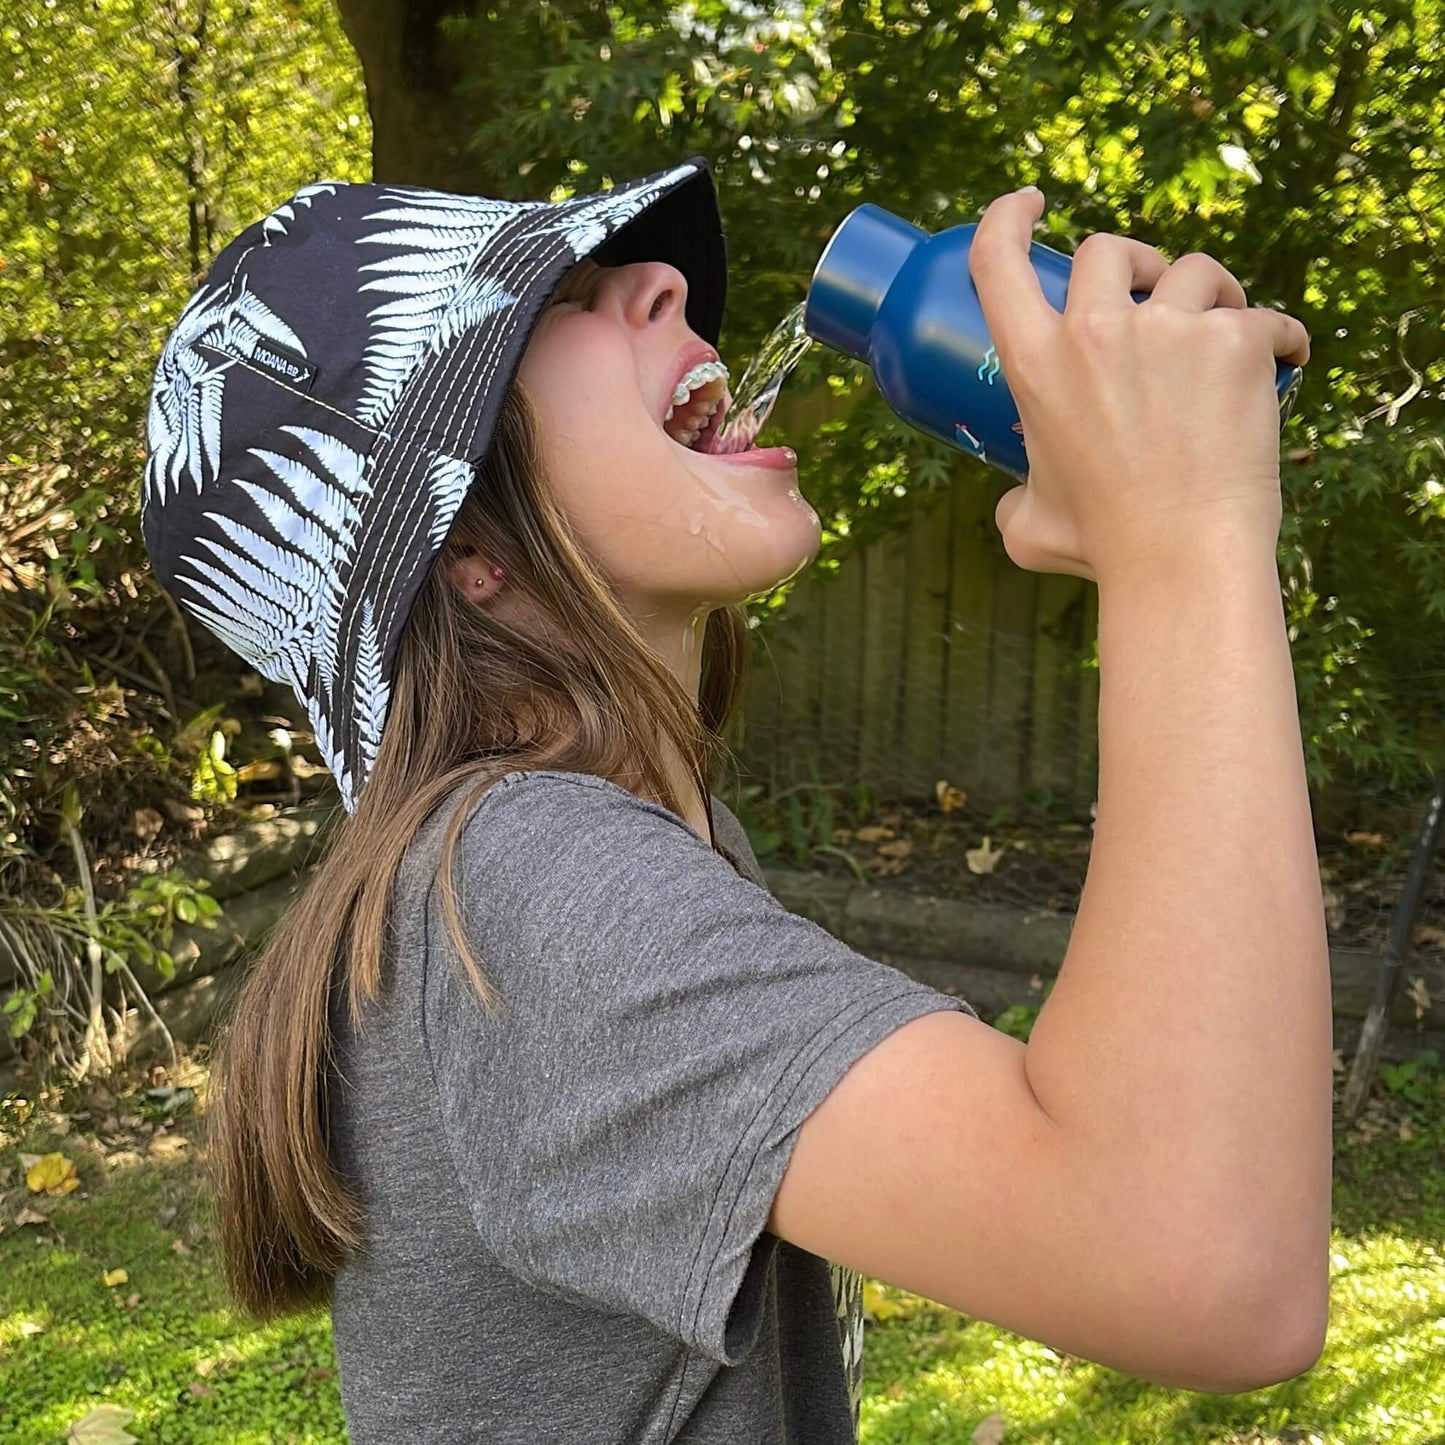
702 412
700 375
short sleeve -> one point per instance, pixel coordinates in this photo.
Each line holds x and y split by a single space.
620 1128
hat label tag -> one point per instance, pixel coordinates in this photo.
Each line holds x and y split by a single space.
282 363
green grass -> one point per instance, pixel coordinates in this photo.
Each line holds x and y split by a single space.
165 1345
189 1367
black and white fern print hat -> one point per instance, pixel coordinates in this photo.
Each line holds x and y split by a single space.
325 397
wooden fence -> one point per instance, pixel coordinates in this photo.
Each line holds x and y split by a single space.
930 655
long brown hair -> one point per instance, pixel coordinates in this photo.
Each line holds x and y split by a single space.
473 698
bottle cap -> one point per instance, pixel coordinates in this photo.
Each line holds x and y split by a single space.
853 276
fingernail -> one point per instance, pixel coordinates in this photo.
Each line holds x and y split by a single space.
1029 191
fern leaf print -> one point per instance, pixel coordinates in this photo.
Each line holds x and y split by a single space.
447 481
371 691
184 422
437 238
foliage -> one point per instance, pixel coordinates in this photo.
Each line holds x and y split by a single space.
1018 1019
1414 1079
1296 140
135 137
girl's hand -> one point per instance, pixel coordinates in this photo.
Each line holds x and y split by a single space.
1149 424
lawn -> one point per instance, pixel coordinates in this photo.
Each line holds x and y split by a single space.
160 1343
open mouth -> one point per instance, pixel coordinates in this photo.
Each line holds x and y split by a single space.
699 406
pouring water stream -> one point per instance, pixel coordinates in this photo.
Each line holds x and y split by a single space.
780 352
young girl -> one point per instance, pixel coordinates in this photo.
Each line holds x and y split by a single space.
582 1135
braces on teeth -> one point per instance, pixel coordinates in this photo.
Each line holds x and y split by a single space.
699 376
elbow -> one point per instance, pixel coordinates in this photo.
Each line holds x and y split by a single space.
1265 1332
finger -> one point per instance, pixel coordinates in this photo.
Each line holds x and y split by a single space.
1288 335
1108 267
1008 288
1197 282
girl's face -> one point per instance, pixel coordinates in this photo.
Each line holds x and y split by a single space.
678 531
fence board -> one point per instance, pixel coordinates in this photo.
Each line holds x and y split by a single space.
925 643
965 694
930 654
884 625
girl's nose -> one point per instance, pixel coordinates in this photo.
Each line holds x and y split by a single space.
651 292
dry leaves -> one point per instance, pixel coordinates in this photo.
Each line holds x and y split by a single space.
104 1425
1419 995
983 859
113 1277
949 798
146 824
51 1174
31 1216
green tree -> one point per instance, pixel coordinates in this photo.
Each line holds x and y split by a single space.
135 137
1299 141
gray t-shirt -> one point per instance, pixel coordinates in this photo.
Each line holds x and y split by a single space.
566 1206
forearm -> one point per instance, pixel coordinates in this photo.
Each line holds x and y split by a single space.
1187 1041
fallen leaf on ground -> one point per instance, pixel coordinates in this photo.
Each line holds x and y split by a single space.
874 834
983 859
1406 1132
104 1425
29 1161
29 1327
30 1216
200 1389
948 796
990 1430
899 849
114 1277
1419 995
52 1174
180 1246
1035 982
1367 840
1430 936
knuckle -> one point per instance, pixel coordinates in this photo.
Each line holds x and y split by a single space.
1096 242
1097 325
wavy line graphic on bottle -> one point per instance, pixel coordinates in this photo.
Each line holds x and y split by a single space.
990 357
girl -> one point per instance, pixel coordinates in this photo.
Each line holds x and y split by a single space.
581 1134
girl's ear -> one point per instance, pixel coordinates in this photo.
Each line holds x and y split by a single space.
473 577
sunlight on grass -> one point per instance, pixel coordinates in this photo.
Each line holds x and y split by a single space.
165 1344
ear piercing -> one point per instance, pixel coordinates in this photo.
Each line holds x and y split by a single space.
496 572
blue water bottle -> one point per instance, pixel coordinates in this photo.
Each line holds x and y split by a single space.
890 294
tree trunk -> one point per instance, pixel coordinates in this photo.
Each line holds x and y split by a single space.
421 117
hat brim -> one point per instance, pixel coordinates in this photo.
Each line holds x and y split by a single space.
442 426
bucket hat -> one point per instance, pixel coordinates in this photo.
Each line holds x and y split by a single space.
322 404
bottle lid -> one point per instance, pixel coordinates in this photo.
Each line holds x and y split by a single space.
853 276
